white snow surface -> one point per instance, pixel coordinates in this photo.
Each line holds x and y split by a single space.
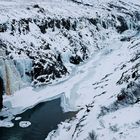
24 124
121 124
17 118
91 83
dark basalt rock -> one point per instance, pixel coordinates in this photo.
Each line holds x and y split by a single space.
43 25
58 24
51 23
84 51
45 69
37 69
66 23
130 95
125 39
21 26
41 79
94 21
40 9
121 97
42 28
24 26
134 74
123 27
75 59
104 25
3 27
74 26
137 15
45 47
36 6
127 96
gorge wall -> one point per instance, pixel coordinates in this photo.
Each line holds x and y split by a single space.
41 47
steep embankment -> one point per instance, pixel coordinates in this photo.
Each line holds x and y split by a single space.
41 42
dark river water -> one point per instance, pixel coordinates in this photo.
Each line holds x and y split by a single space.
44 117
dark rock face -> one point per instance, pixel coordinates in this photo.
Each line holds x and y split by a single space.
47 63
44 73
52 23
3 27
1 93
94 21
123 25
75 59
120 97
66 23
127 96
36 6
20 27
130 95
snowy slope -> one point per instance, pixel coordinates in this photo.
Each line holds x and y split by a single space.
53 34
85 51
108 111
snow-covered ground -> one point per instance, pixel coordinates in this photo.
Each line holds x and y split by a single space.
103 88
102 116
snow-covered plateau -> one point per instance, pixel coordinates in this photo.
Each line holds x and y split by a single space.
85 51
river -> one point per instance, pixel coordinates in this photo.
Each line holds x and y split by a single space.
44 118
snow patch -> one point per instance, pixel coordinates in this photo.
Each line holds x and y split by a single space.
24 124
